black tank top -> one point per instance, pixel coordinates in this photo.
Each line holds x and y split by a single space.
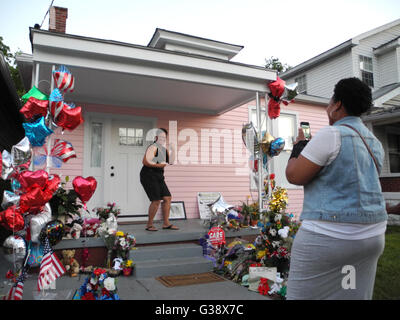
161 156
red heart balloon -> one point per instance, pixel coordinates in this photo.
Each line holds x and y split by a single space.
33 199
84 187
12 219
31 179
69 118
34 107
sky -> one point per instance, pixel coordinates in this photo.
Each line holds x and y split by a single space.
291 30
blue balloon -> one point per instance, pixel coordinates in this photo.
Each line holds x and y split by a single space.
276 146
37 132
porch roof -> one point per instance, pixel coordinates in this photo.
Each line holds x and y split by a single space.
387 105
116 73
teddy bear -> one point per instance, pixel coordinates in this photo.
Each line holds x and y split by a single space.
70 263
73 224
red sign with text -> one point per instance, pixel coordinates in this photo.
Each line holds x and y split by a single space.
217 236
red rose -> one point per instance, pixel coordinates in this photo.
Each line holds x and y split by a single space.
272 176
99 271
88 296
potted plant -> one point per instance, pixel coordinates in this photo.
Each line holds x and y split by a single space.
127 267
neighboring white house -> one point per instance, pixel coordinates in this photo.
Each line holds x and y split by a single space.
374 57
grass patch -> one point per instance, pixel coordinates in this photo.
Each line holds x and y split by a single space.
387 281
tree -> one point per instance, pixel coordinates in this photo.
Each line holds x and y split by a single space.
274 64
10 60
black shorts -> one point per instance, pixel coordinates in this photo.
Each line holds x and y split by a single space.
154 184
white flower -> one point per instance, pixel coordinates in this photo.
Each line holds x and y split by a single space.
109 284
272 232
276 244
278 217
93 281
284 232
122 242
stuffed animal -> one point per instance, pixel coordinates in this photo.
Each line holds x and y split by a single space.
73 225
70 263
90 227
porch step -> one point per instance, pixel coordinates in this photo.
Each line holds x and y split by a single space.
184 250
168 260
171 267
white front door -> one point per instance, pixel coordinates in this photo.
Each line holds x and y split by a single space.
127 146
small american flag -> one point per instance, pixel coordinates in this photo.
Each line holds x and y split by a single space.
51 268
17 289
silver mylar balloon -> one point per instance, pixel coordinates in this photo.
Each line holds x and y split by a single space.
39 221
9 199
249 137
21 152
7 168
220 206
290 92
14 248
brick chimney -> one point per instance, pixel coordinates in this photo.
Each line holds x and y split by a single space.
58 19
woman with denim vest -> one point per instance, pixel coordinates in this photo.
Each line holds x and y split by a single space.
336 250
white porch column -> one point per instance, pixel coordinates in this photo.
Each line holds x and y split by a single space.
259 155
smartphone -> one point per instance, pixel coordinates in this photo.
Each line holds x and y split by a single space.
306 129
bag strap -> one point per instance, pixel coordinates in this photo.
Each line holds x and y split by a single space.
363 140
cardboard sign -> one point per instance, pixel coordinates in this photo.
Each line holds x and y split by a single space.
217 236
205 198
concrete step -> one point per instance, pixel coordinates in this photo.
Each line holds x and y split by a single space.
167 251
170 267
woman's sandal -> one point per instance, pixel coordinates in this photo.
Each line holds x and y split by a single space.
172 227
151 228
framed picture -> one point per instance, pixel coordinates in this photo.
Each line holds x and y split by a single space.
177 211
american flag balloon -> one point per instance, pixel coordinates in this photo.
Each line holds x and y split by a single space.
56 103
63 79
63 150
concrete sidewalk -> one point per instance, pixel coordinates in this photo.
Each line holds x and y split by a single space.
130 288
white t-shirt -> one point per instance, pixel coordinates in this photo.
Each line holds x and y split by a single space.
322 149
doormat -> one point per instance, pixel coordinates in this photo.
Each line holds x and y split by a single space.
189 279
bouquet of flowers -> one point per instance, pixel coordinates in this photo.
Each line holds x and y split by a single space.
98 286
123 243
104 213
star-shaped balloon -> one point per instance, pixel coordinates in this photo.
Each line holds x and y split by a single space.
37 132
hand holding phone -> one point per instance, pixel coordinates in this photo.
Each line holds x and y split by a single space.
305 126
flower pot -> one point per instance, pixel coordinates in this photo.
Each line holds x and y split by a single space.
127 271
253 223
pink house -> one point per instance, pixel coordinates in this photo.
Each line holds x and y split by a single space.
183 83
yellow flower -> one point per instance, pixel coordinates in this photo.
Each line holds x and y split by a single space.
119 234
260 254
128 263
226 263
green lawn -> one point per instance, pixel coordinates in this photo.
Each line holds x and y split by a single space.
387 282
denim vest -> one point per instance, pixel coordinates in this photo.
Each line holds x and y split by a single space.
348 190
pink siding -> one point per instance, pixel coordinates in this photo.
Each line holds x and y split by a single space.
184 181
74 166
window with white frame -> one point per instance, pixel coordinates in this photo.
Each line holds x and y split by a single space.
367 72
285 126
301 84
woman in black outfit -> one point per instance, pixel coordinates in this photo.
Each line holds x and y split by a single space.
153 182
